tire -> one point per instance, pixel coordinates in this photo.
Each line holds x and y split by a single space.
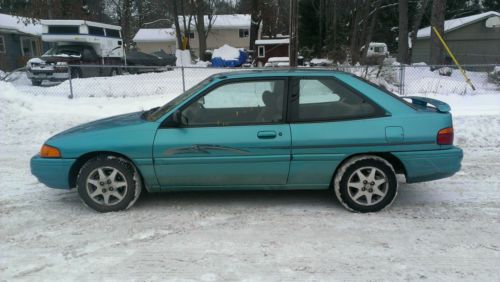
35 82
107 184
366 184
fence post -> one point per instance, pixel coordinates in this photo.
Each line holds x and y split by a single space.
70 83
402 80
183 80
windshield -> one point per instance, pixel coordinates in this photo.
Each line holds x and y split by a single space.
156 114
65 50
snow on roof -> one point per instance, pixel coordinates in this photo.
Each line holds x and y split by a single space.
235 21
80 22
278 59
16 24
155 35
272 41
453 24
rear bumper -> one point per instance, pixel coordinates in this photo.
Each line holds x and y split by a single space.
423 166
54 173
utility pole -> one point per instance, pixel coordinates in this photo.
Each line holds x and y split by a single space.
294 33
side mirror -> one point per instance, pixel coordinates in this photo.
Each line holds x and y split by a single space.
177 117
175 120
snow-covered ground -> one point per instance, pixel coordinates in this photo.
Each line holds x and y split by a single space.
442 230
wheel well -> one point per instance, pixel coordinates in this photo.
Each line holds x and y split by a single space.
80 161
398 166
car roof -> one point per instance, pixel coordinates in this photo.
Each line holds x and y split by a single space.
277 72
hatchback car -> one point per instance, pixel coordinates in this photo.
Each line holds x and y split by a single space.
279 129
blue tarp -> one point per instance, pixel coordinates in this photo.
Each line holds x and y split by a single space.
218 62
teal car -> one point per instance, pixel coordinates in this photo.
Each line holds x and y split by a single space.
278 129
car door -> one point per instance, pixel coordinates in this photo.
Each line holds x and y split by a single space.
232 135
329 121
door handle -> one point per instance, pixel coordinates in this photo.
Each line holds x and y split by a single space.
266 134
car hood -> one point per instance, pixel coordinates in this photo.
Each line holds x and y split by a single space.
129 119
57 59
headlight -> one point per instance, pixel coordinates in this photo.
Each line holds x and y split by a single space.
49 152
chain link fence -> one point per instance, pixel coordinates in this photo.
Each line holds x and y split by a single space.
133 81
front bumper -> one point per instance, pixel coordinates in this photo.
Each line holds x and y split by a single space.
423 166
54 173
50 75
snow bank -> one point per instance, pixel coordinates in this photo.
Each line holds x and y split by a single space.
226 52
321 62
183 58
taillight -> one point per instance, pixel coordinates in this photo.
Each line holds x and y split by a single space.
445 136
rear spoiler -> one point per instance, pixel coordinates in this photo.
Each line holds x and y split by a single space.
423 101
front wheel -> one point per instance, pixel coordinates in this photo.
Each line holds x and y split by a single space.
107 184
366 184
36 82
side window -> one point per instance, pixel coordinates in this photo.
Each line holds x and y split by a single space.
88 55
93 30
324 99
2 44
239 103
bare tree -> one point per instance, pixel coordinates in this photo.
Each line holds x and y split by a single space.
369 35
256 20
403 32
417 21
178 33
437 21
354 47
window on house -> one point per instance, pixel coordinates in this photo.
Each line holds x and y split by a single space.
2 44
244 33
191 35
96 30
261 51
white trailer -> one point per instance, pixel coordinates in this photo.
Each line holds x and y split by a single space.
86 45
105 38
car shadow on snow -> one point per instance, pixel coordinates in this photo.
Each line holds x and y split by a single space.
408 197
250 199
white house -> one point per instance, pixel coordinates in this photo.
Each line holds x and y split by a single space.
233 30
149 40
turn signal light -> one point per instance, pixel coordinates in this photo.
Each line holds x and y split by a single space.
445 136
49 152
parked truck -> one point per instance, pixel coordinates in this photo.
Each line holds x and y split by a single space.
86 45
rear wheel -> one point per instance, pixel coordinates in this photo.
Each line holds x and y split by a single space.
366 184
107 184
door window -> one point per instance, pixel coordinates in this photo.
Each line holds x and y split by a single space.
240 103
326 99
